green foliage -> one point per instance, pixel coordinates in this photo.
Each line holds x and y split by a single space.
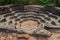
38 2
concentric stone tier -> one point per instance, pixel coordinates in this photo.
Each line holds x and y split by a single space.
29 19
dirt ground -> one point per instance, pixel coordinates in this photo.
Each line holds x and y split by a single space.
15 36
55 35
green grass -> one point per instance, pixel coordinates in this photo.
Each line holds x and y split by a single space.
38 2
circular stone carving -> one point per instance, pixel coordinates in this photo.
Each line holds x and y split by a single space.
28 26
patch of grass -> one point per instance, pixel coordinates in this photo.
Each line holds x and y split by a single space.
38 2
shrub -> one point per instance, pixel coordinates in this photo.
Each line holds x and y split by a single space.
38 2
